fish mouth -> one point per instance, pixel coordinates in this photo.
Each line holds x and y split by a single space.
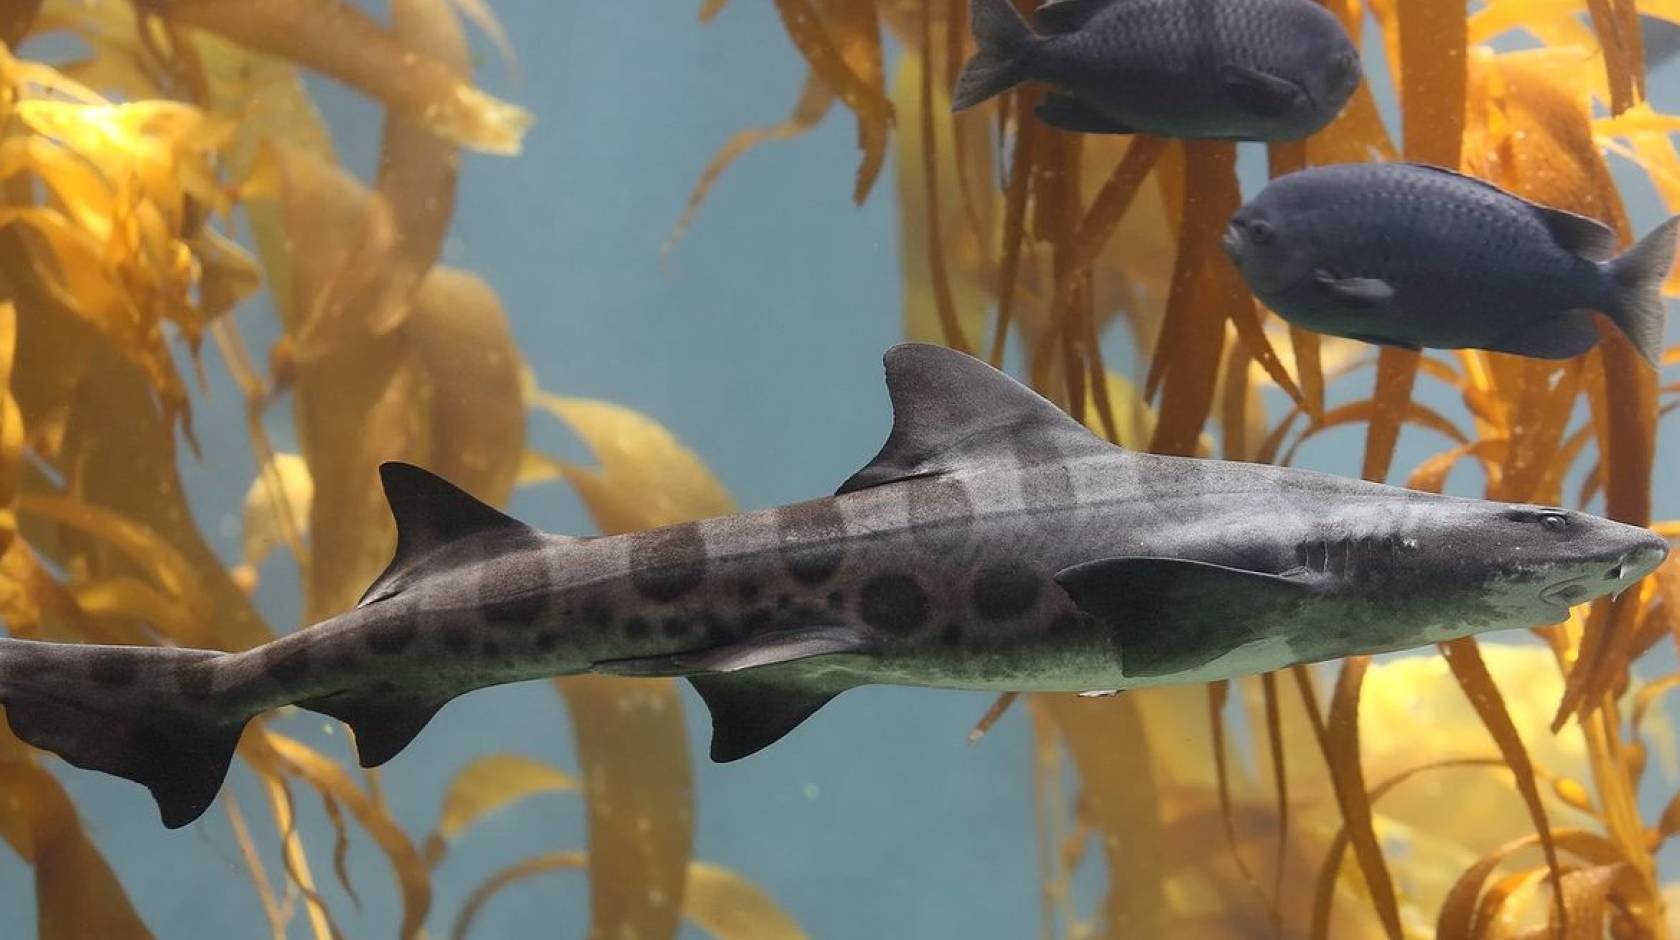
1232 242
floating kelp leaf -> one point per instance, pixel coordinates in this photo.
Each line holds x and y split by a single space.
815 97
484 786
276 511
645 476
76 894
331 780
716 900
338 40
1106 738
851 65
639 795
1341 753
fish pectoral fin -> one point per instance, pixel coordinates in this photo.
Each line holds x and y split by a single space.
1071 114
749 715
950 410
766 649
384 723
1258 92
1172 615
1365 291
1067 16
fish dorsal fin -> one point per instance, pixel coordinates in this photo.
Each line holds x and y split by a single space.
430 511
950 410
1578 234
1066 16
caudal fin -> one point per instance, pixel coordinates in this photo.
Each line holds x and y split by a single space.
1004 39
140 712
1637 277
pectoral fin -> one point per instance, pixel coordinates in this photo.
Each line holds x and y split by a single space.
1172 615
1257 92
766 649
1070 114
1364 291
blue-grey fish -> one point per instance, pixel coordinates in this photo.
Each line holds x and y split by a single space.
1405 254
994 543
1221 69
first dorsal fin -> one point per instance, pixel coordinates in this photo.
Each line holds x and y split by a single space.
1577 234
430 511
950 409
1067 16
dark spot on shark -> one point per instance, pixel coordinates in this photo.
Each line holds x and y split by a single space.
952 634
636 628
286 662
747 589
196 678
893 602
667 563
756 621
598 613
391 636
522 586
546 640
114 668
716 629
1004 591
490 648
457 638
1066 622
941 514
836 600
812 539
675 627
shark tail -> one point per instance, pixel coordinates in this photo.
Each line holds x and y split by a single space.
1005 40
149 714
1637 279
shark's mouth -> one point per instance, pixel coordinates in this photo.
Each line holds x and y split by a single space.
1566 594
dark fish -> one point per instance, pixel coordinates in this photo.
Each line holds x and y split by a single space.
1404 254
993 543
1221 69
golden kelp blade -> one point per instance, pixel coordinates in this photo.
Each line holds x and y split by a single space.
488 784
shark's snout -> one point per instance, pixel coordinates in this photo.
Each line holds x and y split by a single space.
1623 571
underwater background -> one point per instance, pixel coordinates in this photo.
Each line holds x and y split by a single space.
193 419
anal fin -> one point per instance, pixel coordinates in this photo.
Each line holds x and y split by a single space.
384 724
749 716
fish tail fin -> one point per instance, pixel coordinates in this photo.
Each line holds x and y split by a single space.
1637 279
149 714
1004 39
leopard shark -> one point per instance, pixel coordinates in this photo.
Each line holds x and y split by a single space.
993 543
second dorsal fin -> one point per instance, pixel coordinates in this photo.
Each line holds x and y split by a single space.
430 511
951 410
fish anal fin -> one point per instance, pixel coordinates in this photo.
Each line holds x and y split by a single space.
1257 92
748 716
1172 615
1071 114
429 512
1561 337
384 723
1066 16
773 648
1363 291
950 410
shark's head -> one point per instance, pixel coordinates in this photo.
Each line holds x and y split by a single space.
1512 565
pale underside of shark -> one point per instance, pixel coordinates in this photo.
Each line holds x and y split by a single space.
994 543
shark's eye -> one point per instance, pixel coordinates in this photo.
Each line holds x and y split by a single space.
1554 521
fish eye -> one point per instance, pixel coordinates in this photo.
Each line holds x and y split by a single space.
1260 232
